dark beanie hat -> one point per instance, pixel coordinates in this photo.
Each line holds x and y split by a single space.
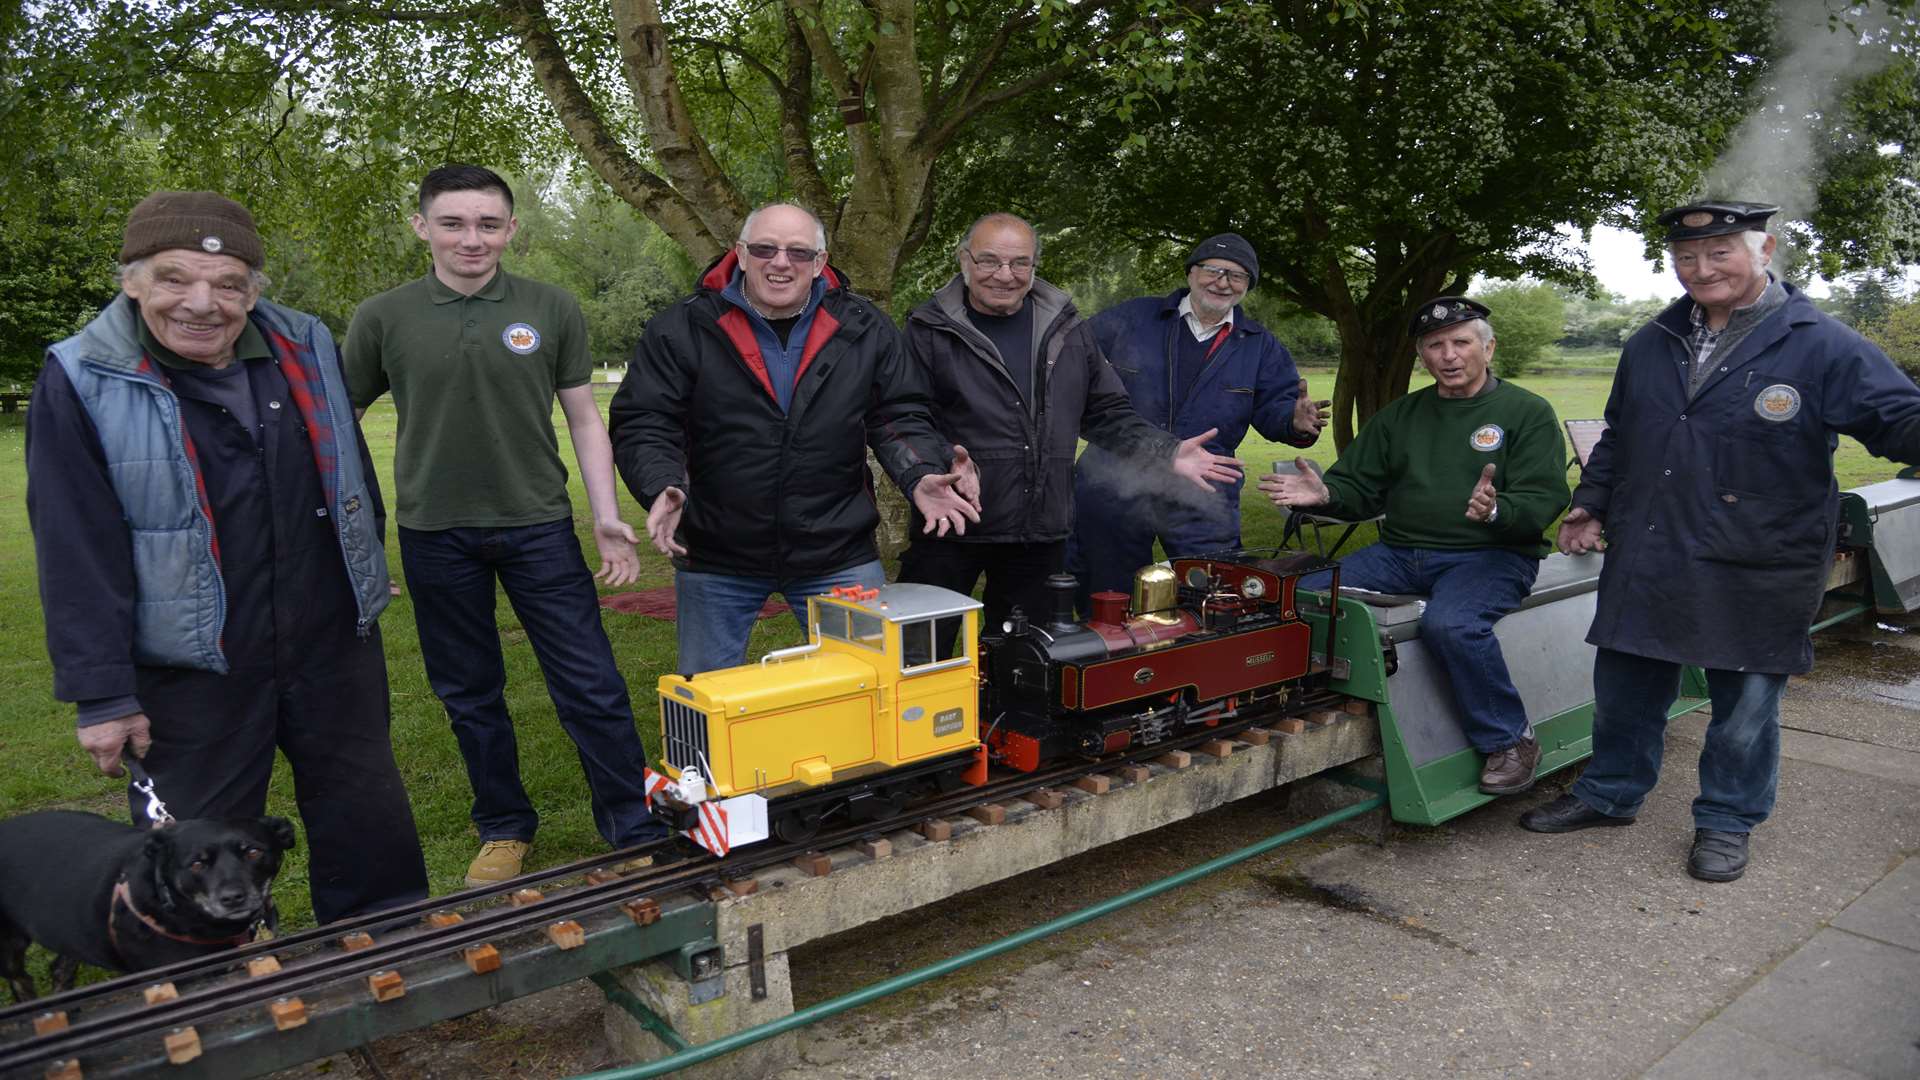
195 220
1229 246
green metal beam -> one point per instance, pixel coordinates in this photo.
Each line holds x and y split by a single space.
708 1051
637 1009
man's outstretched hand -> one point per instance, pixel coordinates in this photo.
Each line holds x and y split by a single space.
938 498
663 520
1303 487
1309 416
1192 460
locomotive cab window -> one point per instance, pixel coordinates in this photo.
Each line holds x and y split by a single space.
932 643
855 627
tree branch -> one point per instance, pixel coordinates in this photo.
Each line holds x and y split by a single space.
609 160
796 126
676 141
365 13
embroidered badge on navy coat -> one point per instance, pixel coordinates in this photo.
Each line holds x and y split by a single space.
1778 403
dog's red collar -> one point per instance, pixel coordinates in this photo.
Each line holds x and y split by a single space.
123 897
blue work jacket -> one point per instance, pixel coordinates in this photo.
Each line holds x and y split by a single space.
1249 381
1720 507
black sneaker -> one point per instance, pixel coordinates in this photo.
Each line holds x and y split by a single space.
1717 856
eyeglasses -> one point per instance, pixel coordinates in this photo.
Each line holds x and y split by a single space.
1216 273
993 264
796 253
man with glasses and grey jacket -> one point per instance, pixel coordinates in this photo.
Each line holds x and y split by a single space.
1018 379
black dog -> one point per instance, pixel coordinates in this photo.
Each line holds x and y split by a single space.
99 892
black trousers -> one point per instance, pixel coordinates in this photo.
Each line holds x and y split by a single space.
214 738
1016 573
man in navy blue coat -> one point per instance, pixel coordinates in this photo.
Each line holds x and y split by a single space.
1191 361
1714 489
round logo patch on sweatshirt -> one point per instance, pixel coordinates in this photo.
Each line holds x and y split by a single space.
1487 438
521 338
1778 403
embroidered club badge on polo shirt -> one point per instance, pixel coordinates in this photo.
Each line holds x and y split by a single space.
521 338
1487 438
1778 403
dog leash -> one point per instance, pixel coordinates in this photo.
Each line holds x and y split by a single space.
143 783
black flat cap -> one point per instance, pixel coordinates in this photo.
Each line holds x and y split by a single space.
1703 219
1445 311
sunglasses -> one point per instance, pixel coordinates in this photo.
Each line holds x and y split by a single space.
797 254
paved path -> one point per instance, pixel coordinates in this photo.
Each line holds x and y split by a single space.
1476 949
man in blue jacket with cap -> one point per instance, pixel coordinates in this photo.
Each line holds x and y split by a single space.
1191 361
1713 488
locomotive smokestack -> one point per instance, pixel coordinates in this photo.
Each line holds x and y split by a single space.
1060 588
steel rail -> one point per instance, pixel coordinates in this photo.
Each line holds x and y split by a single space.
108 1024
857 998
218 964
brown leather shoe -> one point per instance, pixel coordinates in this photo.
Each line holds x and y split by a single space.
1510 771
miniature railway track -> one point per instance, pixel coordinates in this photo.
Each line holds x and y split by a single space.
112 1013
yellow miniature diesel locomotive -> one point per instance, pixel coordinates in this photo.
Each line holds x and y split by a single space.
880 708
887 705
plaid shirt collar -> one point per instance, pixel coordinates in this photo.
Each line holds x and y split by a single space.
1703 339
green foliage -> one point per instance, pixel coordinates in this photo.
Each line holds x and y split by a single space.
59 238
619 265
1605 321
1385 157
1527 320
1898 335
1867 302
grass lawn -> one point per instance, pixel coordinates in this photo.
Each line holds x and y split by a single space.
45 767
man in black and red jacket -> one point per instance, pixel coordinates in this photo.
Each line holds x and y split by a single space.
740 427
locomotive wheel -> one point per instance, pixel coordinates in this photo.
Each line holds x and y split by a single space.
796 828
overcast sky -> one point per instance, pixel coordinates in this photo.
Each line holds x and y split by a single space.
1618 262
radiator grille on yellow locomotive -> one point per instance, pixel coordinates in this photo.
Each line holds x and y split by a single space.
683 734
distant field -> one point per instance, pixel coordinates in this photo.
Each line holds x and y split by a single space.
45 767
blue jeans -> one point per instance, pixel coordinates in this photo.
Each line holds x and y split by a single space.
451 575
1113 532
715 613
1739 767
1467 592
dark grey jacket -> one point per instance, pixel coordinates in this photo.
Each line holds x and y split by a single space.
1026 456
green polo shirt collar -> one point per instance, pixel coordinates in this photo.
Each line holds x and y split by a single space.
441 293
251 346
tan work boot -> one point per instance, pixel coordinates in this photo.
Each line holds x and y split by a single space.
638 862
498 861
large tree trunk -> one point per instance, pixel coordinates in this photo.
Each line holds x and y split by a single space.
1376 364
899 110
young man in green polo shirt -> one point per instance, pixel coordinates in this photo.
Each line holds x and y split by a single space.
475 357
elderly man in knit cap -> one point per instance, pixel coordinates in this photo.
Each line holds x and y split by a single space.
208 532
1192 361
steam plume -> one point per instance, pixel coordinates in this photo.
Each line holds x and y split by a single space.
1774 156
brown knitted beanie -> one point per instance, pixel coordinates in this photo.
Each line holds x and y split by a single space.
194 220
